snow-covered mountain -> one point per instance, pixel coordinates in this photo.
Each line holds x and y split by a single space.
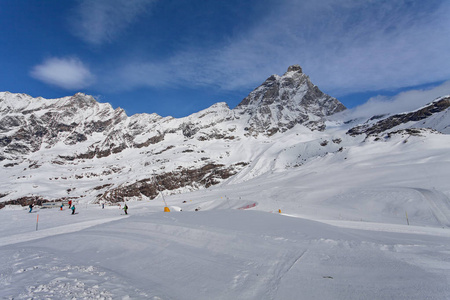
282 102
434 115
77 148
365 209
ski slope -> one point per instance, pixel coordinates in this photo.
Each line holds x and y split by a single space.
218 252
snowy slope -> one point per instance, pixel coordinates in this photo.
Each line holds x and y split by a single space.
219 252
433 115
76 148
298 211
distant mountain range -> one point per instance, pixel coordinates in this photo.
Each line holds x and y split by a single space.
77 148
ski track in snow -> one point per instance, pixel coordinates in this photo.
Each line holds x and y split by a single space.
34 235
439 205
224 254
281 270
395 228
43 276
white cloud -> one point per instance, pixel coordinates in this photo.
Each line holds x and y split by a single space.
403 102
67 73
101 21
393 46
352 46
345 46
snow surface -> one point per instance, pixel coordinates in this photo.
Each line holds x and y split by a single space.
342 234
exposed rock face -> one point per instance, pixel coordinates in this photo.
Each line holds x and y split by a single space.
206 176
437 106
27 124
280 103
295 68
77 148
30 124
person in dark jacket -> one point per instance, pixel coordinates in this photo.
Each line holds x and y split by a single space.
125 209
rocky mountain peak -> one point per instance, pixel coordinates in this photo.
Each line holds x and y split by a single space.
281 102
295 68
82 100
79 148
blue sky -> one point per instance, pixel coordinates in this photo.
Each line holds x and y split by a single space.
176 57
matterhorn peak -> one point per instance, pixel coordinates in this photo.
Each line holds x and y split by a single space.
294 68
282 102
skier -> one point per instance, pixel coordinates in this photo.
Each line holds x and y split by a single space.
31 207
125 208
70 203
73 209
62 205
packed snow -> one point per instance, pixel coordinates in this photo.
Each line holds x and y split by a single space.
312 215
368 222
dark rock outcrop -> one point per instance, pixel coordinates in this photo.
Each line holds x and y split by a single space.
396 120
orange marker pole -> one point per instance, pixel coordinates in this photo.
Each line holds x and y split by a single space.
37 222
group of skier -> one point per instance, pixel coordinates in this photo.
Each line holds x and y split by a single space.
125 208
72 207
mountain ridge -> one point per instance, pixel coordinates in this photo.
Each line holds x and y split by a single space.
75 147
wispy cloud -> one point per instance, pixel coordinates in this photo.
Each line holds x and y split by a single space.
345 46
101 21
67 73
403 102
351 46
382 45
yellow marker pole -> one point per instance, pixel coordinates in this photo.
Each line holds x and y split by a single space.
166 208
278 204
